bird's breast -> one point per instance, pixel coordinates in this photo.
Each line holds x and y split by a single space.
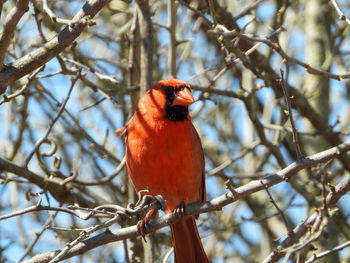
166 158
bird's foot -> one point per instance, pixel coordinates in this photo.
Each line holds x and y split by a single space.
143 223
141 227
179 211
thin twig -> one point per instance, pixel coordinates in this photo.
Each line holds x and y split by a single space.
167 255
25 87
126 251
240 155
94 144
93 104
71 23
210 4
229 63
277 48
342 17
201 15
327 252
313 220
83 235
86 233
272 126
38 235
290 230
172 21
324 191
290 114
99 75
222 30
59 113
37 208
132 50
101 181
248 10
313 235
229 186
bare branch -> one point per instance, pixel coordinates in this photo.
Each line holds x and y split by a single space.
68 22
213 205
61 193
248 9
290 230
172 21
342 17
208 22
38 207
332 198
326 253
305 133
25 87
290 115
10 24
38 235
40 56
146 35
143 203
60 111
276 47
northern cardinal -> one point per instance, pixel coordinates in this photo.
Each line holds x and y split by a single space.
164 155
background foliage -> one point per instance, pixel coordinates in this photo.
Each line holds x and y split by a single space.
72 71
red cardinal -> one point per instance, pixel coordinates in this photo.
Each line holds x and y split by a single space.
164 155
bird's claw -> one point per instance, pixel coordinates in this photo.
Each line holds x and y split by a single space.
179 211
141 227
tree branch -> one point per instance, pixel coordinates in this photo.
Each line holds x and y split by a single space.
325 253
172 21
146 33
332 198
213 205
51 49
342 17
11 22
58 191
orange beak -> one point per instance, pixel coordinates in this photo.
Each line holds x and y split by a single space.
183 98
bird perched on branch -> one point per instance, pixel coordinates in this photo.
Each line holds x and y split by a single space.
164 155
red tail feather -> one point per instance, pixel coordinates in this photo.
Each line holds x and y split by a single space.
187 243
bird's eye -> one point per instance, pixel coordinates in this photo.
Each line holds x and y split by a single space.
168 90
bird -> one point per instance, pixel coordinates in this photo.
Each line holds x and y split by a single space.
164 155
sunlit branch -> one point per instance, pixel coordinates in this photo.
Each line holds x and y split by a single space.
49 50
216 204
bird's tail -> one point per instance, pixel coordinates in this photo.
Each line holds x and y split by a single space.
187 244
